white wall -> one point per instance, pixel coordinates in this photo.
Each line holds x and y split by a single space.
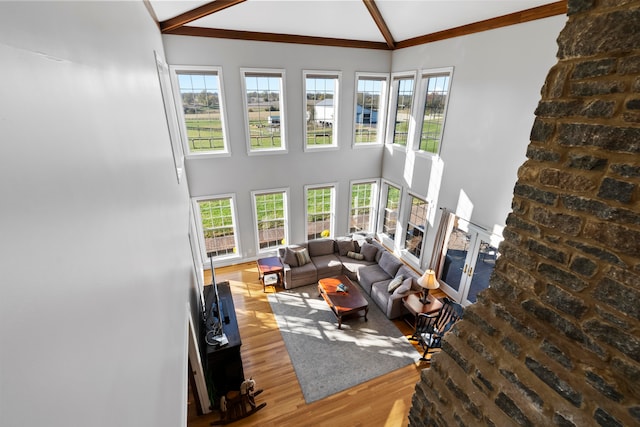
95 264
495 89
241 173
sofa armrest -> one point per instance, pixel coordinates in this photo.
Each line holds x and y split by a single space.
395 307
286 274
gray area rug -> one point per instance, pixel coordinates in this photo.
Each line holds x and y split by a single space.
327 359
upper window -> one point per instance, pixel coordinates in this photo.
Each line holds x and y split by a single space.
217 218
321 103
435 89
371 91
201 102
401 103
320 208
264 110
363 202
270 210
416 225
391 207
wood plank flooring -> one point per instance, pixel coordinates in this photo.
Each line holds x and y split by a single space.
383 401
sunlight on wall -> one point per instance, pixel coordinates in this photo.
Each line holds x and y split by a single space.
464 210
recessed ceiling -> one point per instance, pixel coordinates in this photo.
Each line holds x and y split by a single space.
382 23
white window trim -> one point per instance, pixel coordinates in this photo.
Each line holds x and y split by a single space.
336 109
175 69
420 100
283 110
334 197
382 205
382 111
255 218
374 201
393 100
220 260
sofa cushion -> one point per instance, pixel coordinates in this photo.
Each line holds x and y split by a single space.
327 266
393 284
321 247
355 255
371 274
303 257
290 257
389 263
369 251
345 246
405 287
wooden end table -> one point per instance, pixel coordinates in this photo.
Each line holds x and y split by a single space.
415 306
342 303
270 265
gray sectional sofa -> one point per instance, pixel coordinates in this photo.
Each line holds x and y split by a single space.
361 258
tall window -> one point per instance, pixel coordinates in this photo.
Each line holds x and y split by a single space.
320 202
371 90
217 217
264 110
270 209
436 93
403 100
201 104
416 225
391 206
321 103
363 202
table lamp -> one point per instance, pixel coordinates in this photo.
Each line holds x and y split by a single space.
427 281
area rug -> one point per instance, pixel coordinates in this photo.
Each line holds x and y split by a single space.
327 359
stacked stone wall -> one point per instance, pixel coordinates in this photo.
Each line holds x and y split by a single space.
555 340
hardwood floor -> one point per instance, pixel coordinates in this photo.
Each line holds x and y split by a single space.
383 401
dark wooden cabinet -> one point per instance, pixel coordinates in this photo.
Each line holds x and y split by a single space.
222 364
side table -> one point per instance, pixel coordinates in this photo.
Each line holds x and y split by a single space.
415 306
270 265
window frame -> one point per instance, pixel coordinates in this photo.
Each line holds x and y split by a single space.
425 75
218 260
337 75
285 193
375 190
406 222
334 190
393 109
177 96
382 108
384 194
265 72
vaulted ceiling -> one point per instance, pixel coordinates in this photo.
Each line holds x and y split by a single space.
374 24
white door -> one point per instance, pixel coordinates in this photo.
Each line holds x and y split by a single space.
470 259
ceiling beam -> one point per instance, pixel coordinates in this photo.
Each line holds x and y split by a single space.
278 38
382 26
540 12
197 13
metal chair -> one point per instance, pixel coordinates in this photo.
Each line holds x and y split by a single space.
430 328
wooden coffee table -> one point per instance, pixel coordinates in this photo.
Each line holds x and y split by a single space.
342 303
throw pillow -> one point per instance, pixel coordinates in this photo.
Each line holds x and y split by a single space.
355 255
369 251
290 257
395 283
303 257
404 287
345 246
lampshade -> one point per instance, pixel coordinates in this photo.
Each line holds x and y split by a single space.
428 280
